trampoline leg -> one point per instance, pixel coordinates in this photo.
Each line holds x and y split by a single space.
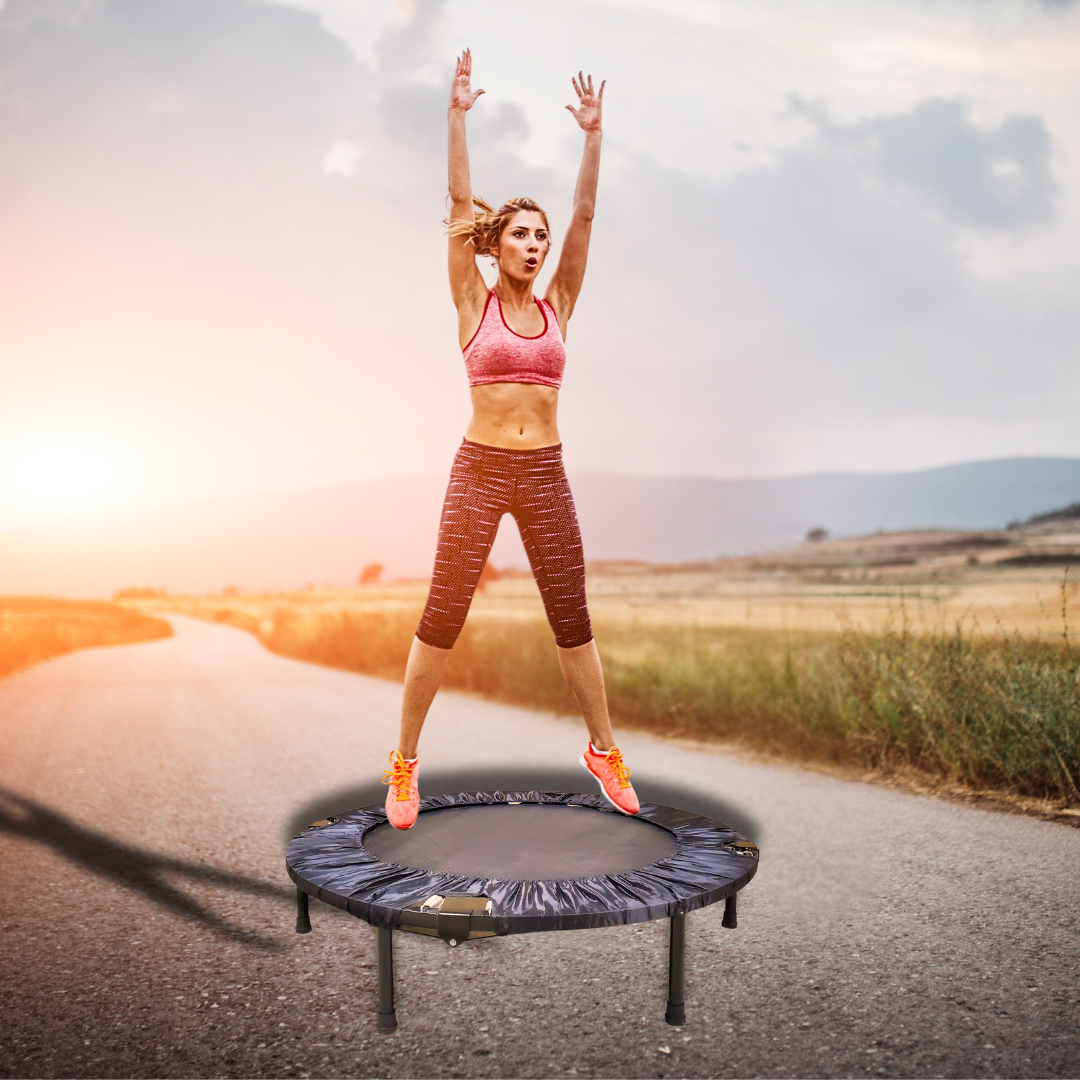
731 916
676 1010
303 923
384 944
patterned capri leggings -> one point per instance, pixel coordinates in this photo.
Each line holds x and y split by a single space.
485 483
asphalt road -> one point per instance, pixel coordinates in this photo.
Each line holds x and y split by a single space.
148 793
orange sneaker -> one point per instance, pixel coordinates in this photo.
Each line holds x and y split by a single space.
403 798
613 776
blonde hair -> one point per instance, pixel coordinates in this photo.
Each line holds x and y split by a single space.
484 230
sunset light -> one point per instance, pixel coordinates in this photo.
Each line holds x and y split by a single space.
47 476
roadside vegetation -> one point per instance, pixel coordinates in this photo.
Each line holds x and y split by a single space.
34 628
997 713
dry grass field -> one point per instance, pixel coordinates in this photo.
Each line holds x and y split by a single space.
943 656
34 628
992 584
983 600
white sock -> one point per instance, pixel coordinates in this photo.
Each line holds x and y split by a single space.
599 753
411 760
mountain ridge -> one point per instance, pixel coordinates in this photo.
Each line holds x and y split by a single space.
324 535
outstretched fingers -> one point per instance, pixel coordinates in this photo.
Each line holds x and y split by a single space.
589 99
461 96
463 67
583 87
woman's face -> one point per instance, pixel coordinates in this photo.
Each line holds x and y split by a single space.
523 245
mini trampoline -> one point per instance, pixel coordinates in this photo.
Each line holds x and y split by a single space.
489 863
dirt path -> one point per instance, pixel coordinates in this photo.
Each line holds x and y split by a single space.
149 790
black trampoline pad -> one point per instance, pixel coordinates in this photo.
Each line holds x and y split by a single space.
526 842
547 860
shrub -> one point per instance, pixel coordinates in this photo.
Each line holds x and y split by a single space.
34 628
998 713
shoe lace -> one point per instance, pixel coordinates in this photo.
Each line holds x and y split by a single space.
615 763
399 777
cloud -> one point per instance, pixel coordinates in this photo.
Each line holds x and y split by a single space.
993 177
820 301
219 221
155 103
409 50
193 237
341 158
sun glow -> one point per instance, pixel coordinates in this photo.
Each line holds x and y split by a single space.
48 476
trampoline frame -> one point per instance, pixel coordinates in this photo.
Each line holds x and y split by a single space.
464 921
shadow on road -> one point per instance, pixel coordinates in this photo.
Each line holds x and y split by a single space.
142 871
488 779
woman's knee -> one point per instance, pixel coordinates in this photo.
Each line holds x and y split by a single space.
438 633
572 633
425 660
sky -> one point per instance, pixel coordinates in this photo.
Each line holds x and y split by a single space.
830 235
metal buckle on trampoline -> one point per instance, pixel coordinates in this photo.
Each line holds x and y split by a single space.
453 918
744 847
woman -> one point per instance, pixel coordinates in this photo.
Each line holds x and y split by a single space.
511 457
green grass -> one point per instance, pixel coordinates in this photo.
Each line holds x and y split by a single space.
1001 714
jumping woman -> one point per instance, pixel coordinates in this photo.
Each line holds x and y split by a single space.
510 460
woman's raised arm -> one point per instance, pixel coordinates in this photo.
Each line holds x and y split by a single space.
565 284
466 283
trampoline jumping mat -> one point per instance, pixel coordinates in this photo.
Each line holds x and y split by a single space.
545 860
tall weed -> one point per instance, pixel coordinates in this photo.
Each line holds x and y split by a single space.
35 628
996 713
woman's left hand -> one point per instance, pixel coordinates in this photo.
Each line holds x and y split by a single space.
588 116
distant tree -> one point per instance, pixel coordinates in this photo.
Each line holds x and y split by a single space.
1063 515
139 594
488 575
815 536
371 574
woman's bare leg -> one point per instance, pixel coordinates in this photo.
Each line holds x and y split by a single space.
581 669
423 677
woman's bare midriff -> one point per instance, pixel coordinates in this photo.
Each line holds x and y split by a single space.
519 416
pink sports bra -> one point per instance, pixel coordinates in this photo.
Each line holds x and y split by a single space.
498 354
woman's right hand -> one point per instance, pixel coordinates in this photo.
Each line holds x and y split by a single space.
462 98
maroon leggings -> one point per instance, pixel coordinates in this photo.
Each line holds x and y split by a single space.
485 483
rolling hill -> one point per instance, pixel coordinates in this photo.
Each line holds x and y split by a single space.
325 535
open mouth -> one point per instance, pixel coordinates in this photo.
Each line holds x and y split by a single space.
530 263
